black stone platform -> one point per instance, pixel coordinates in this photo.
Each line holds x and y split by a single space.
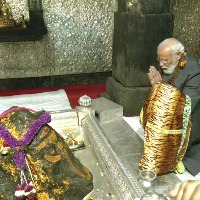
50 81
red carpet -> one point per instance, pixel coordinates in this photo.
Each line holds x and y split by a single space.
74 92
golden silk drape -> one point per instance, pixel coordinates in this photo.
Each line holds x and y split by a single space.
165 118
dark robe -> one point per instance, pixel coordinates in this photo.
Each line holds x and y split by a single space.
188 82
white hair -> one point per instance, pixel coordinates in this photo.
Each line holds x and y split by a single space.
177 48
173 44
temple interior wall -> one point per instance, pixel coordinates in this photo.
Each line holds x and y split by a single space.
79 38
186 24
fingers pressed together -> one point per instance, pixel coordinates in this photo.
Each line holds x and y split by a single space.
154 75
188 190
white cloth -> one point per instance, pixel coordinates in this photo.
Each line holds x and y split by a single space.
48 101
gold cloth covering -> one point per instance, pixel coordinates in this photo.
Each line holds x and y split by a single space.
166 121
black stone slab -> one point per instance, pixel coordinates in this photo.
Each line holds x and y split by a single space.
21 34
135 42
50 81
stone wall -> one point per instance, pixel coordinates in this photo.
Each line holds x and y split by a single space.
79 40
186 24
80 37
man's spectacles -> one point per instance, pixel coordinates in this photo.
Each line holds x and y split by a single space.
164 61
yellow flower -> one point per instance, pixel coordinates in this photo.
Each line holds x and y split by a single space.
180 168
89 197
183 63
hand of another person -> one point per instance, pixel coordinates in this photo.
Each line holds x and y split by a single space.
154 75
188 190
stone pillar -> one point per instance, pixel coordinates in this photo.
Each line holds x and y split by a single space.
139 26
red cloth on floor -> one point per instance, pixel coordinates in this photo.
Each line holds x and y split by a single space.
74 92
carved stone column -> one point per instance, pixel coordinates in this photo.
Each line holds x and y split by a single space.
139 26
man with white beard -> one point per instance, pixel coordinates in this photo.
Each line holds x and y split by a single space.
183 72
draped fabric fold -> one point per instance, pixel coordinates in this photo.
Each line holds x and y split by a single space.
165 118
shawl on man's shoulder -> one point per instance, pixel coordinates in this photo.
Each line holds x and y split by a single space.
165 118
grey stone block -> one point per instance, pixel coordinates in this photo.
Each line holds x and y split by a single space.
131 98
106 110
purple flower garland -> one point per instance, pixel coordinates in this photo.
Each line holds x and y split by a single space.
17 145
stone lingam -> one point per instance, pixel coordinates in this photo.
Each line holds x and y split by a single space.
36 161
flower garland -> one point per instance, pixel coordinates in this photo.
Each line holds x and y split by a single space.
17 145
182 62
25 190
